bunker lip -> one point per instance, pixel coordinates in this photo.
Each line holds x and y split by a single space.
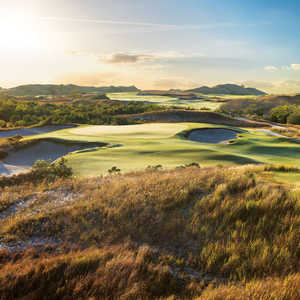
22 159
212 135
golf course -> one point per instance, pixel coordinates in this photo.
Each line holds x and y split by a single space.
134 147
205 103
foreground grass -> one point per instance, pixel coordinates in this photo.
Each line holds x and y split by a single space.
213 233
136 146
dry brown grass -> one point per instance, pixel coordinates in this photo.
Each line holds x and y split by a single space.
292 132
154 234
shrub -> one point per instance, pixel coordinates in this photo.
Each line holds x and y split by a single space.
114 170
193 164
294 118
42 170
3 154
155 168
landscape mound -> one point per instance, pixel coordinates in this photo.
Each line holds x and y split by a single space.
227 89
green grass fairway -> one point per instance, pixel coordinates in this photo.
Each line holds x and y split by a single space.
135 147
168 101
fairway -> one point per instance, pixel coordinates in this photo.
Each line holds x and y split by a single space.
167 101
147 131
134 147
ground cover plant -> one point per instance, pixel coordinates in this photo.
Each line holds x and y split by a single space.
189 233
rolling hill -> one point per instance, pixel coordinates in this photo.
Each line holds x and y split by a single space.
227 89
61 89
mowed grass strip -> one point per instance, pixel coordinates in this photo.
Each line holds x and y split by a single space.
134 147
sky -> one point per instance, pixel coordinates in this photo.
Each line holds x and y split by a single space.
157 44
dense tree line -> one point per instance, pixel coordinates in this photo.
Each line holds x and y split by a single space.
23 113
286 114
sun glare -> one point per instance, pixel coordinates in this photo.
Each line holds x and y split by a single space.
18 32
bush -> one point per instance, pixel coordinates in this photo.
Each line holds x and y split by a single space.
48 170
193 164
155 168
42 170
114 170
294 118
3 154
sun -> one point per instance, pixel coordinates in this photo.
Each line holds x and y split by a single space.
18 32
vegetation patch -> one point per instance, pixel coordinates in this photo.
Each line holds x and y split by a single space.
185 233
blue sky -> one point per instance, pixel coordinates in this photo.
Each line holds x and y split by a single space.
153 44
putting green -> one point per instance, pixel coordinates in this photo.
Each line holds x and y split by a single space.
135 147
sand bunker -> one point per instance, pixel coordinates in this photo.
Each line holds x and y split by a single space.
212 135
32 131
22 160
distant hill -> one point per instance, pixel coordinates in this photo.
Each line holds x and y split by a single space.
227 89
58 90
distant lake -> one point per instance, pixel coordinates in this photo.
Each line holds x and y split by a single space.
32 131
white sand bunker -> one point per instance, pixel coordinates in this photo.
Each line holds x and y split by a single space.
212 135
23 159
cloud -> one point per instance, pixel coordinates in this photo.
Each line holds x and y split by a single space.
291 67
281 87
123 58
265 86
173 83
145 24
295 67
270 68
130 58
89 79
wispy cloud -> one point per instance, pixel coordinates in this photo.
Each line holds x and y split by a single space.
291 67
136 57
280 87
270 68
295 67
121 58
143 24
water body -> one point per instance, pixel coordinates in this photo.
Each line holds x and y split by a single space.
23 159
32 131
212 135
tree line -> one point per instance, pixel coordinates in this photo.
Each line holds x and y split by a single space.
15 113
286 114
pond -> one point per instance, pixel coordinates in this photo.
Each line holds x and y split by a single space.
32 131
22 160
212 135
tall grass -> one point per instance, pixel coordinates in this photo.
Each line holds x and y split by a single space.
158 234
